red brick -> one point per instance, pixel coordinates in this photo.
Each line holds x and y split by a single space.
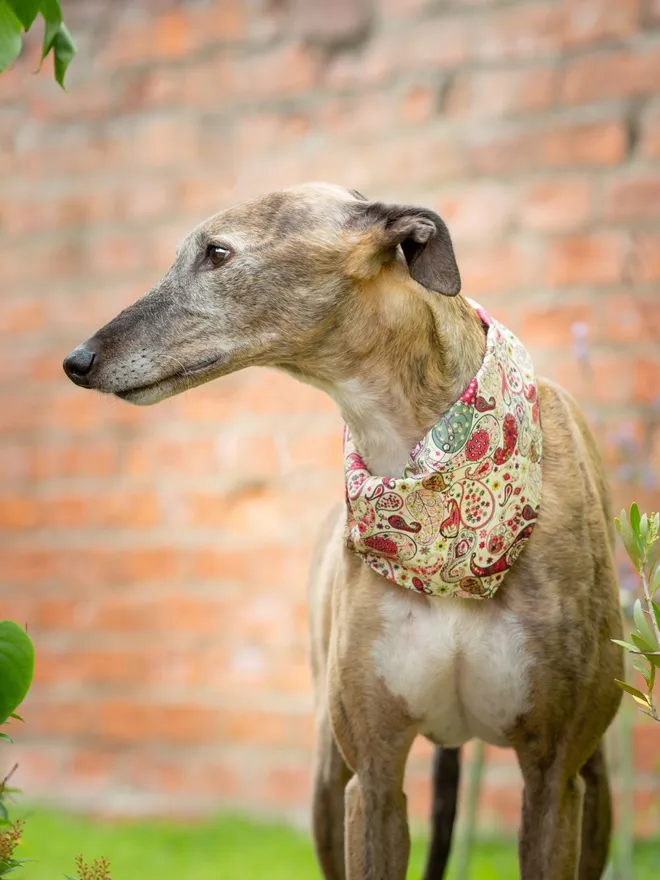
279 566
500 267
27 565
587 21
526 31
147 772
608 380
480 211
646 371
631 317
552 326
315 451
598 144
645 739
603 143
91 769
18 512
217 23
612 75
171 34
14 458
144 565
287 785
58 718
585 259
23 315
645 258
650 134
349 23
556 205
129 722
500 806
285 70
419 104
495 93
123 510
250 727
634 198
95 460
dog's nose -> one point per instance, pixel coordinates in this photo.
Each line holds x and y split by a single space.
78 364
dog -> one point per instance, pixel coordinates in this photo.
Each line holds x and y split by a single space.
361 300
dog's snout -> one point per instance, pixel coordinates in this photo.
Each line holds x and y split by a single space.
78 364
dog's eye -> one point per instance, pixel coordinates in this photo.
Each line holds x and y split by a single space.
218 254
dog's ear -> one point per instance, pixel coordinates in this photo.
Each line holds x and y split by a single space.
424 240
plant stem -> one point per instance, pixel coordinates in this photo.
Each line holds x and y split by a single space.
649 602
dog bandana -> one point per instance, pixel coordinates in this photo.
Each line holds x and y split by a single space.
457 520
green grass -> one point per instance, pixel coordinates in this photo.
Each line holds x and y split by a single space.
221 849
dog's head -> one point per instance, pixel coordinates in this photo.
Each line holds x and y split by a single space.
260 284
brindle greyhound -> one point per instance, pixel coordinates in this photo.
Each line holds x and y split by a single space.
360 300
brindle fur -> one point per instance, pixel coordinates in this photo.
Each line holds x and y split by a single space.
347 295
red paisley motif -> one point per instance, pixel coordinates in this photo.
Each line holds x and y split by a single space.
381 545
510 431
477 445
398 522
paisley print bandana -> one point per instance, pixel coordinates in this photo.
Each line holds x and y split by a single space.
468 500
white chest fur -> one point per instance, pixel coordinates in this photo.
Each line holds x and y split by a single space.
460 665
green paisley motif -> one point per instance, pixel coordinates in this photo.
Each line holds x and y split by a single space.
452 431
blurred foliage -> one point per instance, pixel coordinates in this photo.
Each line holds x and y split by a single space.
16 668
640 534
16 671
18 16
98 870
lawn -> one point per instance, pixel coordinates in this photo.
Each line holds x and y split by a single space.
221 849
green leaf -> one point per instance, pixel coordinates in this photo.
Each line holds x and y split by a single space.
16 717
656 612
629 689
641 698
64 49
634 518
643 646
655 580
26 11
641 643
642 624
5 738
50 9
625 531
625 645
644 668
10 36
16 667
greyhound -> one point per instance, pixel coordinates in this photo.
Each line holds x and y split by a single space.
361 299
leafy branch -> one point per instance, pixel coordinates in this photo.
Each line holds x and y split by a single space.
641 538
18 16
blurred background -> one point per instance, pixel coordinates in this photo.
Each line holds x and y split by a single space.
158 556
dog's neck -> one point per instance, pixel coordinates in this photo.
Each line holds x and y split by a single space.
394 363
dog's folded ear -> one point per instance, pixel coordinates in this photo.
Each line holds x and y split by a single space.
424 240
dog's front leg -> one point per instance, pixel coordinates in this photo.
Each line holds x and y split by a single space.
375 737
377 835
330 778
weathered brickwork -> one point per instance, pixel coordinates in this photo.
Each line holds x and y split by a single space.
159 556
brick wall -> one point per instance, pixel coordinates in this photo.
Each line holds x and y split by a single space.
158 556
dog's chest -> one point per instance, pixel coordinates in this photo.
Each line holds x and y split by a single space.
461 665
